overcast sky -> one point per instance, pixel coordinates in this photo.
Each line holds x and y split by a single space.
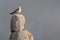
42 18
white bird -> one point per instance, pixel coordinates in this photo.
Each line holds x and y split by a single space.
18 32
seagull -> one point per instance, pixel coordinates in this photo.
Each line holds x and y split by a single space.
18 32
18 10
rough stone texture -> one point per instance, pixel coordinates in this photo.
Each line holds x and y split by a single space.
18 32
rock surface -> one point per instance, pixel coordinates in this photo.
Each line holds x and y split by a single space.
18 32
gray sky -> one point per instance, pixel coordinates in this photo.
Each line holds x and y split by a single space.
42 18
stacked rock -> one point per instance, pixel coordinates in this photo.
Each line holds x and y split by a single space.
18 32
